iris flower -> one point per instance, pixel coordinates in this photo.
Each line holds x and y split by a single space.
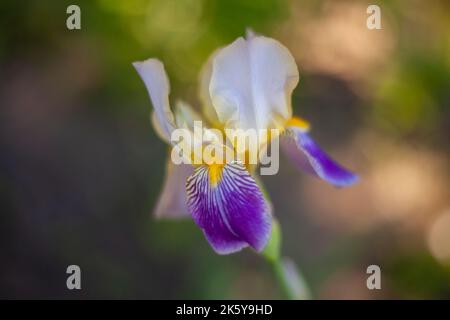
245 85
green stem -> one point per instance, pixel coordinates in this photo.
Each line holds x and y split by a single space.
291 283
283 282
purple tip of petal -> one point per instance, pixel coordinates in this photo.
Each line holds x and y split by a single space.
233 213
308 156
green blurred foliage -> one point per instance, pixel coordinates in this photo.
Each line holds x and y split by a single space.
419 276
415 97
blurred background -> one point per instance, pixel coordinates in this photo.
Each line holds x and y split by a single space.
81 167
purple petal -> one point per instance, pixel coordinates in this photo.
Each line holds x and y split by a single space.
229 208
172 200
308 156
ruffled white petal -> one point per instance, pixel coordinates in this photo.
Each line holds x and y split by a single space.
251 83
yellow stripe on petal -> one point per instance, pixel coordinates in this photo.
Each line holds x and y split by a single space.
299 123
215 174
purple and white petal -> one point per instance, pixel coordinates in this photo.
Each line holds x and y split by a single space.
172 200
308 156
227 204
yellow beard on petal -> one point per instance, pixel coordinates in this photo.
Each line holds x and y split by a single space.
298 122
215 174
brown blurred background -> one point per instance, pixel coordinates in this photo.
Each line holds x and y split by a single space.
81 167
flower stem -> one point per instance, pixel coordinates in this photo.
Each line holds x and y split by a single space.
291 282
282 280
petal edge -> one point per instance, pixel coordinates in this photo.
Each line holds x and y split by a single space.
155 79
309 157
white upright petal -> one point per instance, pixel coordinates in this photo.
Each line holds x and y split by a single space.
155 78
185 115
251 83
205 97
249 34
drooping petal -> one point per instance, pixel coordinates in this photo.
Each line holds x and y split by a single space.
308 156
172 200
227 204
155 78
251 83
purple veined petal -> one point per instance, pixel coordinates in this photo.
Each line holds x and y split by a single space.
308 156
172 200
227 204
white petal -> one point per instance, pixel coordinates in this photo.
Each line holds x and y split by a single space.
155 78
252 82
249 33
159 131
185 115
172 200
205 79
